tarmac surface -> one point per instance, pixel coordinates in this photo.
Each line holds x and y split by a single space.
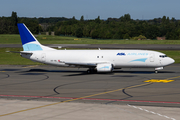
46 92
106 46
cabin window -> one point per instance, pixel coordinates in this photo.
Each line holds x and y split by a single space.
97 56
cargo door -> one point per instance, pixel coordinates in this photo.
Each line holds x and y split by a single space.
152 57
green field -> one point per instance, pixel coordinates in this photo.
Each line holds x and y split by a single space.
7 58
44 39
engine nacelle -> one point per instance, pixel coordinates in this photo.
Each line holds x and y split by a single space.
107 67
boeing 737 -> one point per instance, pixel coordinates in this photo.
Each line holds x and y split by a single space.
94 60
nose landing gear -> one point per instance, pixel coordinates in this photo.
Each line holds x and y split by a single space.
159 68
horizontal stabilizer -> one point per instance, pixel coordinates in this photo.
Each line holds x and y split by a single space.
14 51
24 52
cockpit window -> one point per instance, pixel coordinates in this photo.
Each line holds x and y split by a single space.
162 56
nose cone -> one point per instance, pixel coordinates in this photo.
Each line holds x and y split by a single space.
170 61
167 61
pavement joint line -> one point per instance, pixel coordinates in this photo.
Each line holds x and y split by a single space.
30 66
73 99
68 98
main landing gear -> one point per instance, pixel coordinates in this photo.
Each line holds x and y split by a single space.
91 70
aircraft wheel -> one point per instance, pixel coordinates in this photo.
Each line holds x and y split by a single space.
88 71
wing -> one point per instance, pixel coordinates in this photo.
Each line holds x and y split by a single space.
87 65
81 64
100 66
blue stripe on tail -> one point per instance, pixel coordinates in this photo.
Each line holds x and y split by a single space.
25 34
31 47
27 38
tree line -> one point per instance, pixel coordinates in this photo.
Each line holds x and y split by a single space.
112 28
8 25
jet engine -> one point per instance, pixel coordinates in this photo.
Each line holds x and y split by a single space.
107 67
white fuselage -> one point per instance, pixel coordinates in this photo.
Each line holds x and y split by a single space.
118 58
95 60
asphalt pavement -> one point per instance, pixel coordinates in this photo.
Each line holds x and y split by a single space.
46 92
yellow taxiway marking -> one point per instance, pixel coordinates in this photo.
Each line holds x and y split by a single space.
2 71
162 81
75 99
159 81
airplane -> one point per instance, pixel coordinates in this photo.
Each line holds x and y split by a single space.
94 60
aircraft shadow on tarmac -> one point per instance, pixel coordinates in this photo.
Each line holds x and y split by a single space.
9 69
83 72
78 72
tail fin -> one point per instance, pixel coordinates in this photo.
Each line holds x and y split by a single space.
29 42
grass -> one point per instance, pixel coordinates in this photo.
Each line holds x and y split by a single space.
10 39
7 58
44 39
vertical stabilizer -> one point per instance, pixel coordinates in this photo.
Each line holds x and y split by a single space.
29 42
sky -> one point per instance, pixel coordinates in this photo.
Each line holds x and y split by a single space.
91 9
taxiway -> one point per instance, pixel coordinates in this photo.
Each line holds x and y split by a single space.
126 87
